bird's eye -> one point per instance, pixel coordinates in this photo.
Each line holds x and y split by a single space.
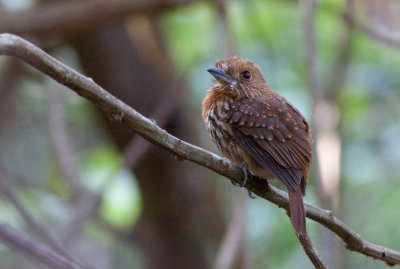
246 75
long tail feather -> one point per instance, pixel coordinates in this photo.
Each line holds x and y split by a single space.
297 215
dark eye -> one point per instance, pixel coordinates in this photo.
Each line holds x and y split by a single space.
246 75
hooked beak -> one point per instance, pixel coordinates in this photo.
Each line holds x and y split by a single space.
220 75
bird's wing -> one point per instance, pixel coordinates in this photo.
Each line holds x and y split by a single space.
275 134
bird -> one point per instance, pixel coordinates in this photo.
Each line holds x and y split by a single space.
259 130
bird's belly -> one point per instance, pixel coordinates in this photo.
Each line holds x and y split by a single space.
228 147
222 136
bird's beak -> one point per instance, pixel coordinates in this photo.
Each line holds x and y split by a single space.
220 75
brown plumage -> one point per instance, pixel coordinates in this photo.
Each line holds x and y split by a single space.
259 130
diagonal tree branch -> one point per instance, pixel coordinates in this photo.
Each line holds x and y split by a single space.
60 142
23 244
372 32
29 219
117 110
311 252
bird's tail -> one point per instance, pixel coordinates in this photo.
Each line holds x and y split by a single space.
297 215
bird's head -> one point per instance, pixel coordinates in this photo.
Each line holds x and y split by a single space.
238 74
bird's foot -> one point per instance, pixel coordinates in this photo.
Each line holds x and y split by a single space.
234 183
245 175
245 178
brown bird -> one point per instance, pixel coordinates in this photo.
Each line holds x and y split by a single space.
259 130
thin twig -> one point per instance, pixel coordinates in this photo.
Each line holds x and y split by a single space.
133 151
311 252
29 219
61 144
372 32
87 208
84 201
117 110
38 252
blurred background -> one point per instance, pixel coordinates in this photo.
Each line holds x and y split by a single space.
90 189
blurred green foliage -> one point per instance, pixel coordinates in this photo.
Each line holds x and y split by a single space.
269 33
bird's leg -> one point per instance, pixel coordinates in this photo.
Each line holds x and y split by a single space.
246 175
251 194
